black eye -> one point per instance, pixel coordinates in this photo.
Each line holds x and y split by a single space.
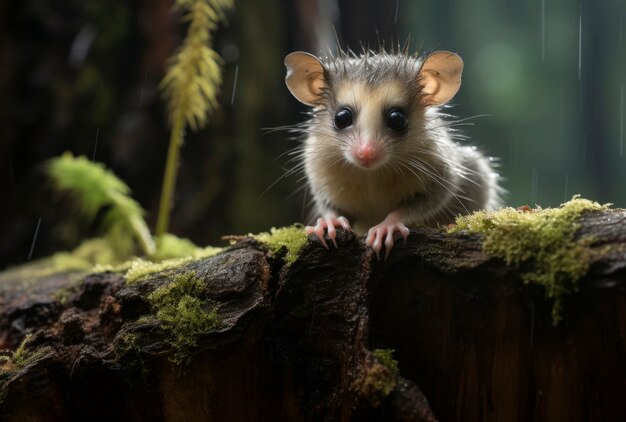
343 118
397 121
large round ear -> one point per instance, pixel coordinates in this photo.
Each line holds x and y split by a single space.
441 77
305 77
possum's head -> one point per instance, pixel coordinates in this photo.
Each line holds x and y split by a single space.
370 105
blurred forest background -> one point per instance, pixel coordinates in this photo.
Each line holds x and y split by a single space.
547 77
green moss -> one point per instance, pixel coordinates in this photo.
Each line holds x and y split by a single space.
172 252
292 238
140 269
185 312
125 343
22 357
131 354
541 242
381 376
63 295
385 356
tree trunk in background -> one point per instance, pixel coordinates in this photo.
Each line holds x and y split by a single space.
297 341
595 103
260 77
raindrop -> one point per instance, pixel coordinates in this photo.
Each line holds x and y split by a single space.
395 20
32 246
534 186
18 325
580 39
145 77
543 30
81 45
230 53
11 173
532 324
512 150
621 120
95 147
562 115
232 98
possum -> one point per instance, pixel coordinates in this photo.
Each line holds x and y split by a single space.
379 152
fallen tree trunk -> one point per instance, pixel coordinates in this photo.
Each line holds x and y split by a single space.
308 340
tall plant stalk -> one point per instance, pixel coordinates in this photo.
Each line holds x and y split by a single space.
171 173
191 86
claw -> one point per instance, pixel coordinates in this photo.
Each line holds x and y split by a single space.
319 231
328 225
343 222
332 233
383 233
388 244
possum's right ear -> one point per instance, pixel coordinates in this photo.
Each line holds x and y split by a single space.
305 77
440 77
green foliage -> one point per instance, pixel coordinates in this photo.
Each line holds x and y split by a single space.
541 242
292 238
185 312
94 188
169 246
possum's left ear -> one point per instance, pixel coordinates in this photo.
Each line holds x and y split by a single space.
305 77
441 77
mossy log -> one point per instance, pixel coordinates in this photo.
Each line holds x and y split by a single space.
298 341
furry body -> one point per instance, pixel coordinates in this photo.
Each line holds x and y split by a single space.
375 169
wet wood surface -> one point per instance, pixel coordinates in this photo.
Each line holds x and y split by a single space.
296 341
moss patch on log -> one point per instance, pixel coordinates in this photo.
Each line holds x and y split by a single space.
541 242
22 356
292 238
141 269
385 356
381 376
185 312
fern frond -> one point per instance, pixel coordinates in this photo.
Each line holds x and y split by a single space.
93 187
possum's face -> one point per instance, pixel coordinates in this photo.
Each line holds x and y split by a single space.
372 120
372 107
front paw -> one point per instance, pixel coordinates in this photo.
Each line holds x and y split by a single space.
383 233
328 224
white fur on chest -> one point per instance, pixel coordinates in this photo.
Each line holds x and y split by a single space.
367 196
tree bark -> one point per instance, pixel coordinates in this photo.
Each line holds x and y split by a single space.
296 341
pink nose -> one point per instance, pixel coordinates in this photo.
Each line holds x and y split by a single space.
367 153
